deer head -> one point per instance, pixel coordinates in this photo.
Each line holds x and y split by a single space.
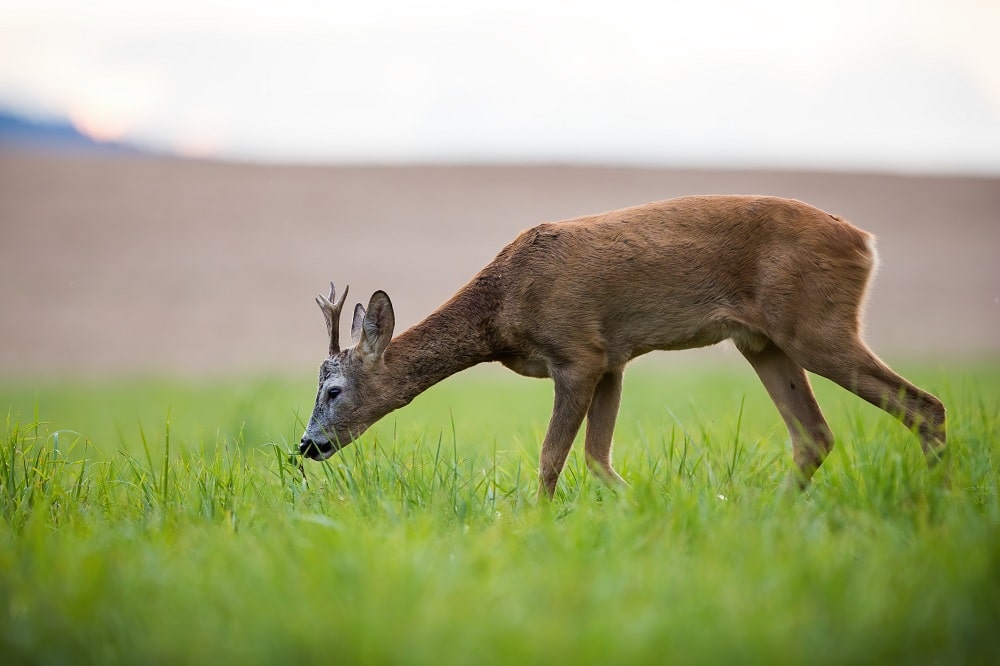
349 398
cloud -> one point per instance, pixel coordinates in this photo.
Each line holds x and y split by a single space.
851 83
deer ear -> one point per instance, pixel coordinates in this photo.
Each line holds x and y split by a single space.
377 325
359 318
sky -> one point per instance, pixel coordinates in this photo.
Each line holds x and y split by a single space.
910 86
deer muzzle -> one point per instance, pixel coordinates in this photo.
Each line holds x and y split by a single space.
315 449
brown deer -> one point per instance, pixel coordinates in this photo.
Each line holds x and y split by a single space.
577 300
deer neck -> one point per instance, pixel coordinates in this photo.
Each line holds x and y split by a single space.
459 335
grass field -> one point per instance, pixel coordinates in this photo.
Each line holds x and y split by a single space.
158 522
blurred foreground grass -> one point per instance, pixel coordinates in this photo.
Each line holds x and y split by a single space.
149 521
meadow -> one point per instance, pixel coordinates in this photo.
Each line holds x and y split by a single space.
163 521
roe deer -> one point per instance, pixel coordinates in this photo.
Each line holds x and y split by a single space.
577 300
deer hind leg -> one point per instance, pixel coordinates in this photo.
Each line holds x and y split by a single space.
857 369
573 392
789 388
601 425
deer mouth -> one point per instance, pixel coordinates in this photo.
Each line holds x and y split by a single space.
316 449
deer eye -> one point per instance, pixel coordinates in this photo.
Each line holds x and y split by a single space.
332 394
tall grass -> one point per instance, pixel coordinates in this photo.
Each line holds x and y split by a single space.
178 529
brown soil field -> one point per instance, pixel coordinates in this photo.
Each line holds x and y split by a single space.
112 265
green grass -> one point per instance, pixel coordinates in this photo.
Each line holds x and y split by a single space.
157 522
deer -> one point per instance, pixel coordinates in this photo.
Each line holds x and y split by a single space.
576 300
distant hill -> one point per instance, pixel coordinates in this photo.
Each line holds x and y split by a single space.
51 135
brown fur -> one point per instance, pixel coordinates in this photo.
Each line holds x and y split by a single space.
577 300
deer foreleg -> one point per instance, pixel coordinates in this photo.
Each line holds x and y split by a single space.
601 425
573 392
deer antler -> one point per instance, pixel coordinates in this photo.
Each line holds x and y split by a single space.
331 312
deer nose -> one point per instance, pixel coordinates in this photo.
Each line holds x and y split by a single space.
310 448
307 447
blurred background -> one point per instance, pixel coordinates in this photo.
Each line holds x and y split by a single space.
178 180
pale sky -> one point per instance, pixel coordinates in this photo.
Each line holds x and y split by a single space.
909 85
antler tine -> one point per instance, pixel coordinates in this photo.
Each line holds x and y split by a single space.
331 313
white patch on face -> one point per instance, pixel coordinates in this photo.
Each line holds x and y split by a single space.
320 428
332 367
333 384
